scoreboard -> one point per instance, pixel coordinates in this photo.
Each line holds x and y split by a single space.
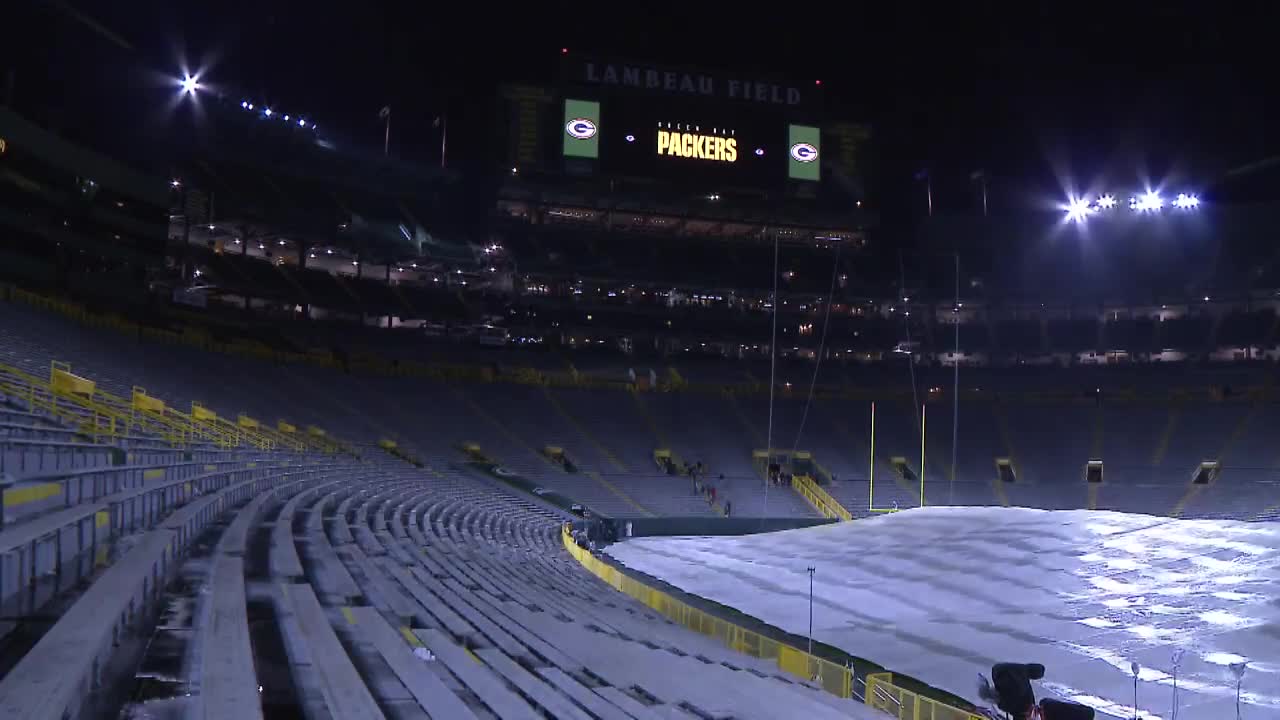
708 130
688 141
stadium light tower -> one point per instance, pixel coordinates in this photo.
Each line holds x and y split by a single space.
1106 202
1150 201
1186 201
190 84
1078 208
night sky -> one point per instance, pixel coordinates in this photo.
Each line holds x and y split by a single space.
1038 95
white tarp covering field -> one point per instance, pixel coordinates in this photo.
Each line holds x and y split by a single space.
942 593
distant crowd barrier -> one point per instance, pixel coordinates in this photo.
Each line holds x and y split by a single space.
667 525
669 380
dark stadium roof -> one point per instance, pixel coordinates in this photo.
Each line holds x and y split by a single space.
1039 96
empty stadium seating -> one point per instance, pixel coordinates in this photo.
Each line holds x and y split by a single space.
399 590
367 566
1150 446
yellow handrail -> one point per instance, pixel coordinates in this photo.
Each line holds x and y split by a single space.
905 704
819 498
831 676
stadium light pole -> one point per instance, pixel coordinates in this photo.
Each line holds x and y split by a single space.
1238 669
1136 669
810 570
980 176
955 374
871 468
922 436
1177 665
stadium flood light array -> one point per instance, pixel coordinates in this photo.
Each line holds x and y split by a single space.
269 113
1080 209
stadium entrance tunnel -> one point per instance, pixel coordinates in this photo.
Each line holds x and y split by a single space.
474 453
1093 471
1206 473
903 470
525 485
1004 470
790 462
558 457
668 462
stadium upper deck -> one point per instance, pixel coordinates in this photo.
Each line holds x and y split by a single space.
605 266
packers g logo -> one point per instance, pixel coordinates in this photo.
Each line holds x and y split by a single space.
804 152
580 128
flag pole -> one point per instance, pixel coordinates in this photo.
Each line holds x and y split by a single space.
444 138
386 138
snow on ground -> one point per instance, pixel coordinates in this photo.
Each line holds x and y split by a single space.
943 593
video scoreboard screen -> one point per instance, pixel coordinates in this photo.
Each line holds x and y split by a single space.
711 143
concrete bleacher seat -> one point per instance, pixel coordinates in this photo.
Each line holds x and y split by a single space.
52 551
39 493
55 677
315 649
427 687
23 457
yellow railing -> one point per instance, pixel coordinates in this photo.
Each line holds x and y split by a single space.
190 338
102 417
832 677
39 396
905 704
99 414
78 402
819 498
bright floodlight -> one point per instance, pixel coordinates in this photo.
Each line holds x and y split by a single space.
1106 202
302 123
1078 209
1150 201
267 112
190 84
1186 202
